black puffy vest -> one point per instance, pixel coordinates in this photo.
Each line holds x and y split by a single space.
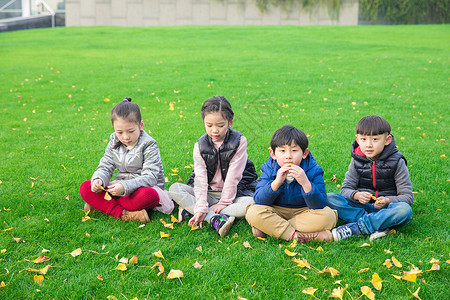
384 169
246 187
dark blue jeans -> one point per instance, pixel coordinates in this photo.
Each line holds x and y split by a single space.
368 218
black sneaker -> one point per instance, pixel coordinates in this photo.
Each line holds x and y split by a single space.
222 223
184 215
345 231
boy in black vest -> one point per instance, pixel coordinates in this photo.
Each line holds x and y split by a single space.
377 193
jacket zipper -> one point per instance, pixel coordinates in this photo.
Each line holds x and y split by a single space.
374 179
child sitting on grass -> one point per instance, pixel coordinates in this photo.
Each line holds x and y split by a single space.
139 184
224 179
377 193
290 198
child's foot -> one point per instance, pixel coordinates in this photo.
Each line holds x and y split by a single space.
88 207
258 233
222 223
141 216
183 215
306 237
379 234
345 231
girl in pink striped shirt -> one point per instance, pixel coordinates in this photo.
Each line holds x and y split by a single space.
224 179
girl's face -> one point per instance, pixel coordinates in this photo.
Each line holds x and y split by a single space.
128 132
216 125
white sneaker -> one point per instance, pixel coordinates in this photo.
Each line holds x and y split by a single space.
379 234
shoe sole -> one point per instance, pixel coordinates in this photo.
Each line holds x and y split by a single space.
180 217
226 227
378 234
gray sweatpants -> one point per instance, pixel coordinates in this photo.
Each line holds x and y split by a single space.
184 196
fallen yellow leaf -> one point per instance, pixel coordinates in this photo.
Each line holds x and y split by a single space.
434 261
175 274
2 284
435 267
387 263
158 254
99 278
41 258
44 270
330 270
416 293
134 260
123 260
289 253
261 238
376 281
365 245
76 252
174 220
363 270
199 248
309 291
338 293
367 291
197 265
164 235
302 263
159 266
121 267
396 262
246 244
38 279
169 225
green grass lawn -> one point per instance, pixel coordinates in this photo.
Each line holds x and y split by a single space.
54 116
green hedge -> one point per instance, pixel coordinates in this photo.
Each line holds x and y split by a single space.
404 11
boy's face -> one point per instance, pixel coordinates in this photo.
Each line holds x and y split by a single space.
373 145
289 154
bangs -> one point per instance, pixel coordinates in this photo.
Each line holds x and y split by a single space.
373 125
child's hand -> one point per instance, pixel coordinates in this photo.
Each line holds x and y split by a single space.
281 177
299 174
116 189
362 197
197 219
217 207
382 202
97 185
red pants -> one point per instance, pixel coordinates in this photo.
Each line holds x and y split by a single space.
142 198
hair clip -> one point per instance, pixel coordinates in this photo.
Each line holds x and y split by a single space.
126 100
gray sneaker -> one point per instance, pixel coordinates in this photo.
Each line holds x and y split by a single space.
222 223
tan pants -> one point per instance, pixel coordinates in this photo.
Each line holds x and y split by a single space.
282 222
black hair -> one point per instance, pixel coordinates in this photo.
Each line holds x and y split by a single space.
126 110
285 135
373 125
218 104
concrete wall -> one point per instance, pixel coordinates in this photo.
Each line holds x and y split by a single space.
197 12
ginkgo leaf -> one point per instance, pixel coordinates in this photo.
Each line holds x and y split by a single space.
111 297
99 278
396 262
199 248
121 267
434 261
175 274
376 281
293 244
169 225
320 249
363 270
133 260
435 267
41 258
44 270
107 196
337 293
387 263
289 253
164 235
158 254
246 244
123 260
3 251
2 284
330 270
197 265
261 238
159 266
235 236
302 263
367 291
397 277
416 293
365 245
38 279
174 220
412 274
76 252
309 291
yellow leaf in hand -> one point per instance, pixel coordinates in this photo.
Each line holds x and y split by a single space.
38 279
163 235
121 267
289 253
134 260
396 262
175 274
76 252
309 291
107 196
158 254
376 281
367 291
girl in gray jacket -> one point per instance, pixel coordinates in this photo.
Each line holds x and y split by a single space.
139 183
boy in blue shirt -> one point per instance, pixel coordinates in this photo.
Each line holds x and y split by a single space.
290 197
377 192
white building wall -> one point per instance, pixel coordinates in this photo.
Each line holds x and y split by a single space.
198 12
